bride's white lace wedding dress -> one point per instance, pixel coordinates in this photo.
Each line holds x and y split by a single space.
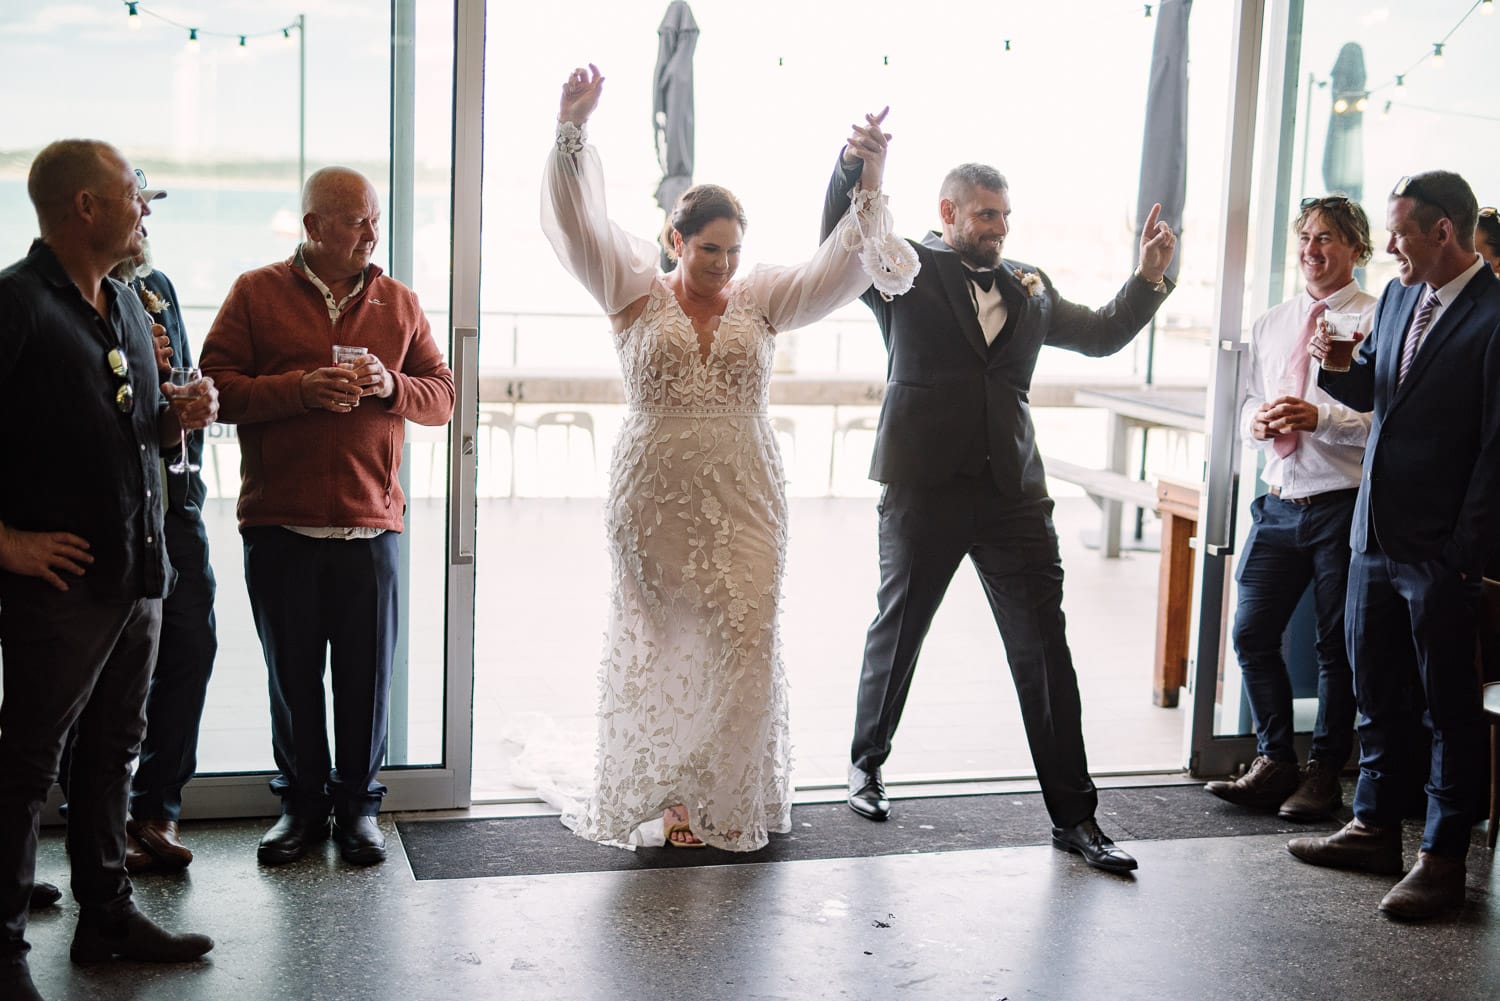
692 696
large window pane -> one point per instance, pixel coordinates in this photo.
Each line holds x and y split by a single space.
1060 110
218 125
1343 125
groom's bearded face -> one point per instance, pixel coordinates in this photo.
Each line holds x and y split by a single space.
976 225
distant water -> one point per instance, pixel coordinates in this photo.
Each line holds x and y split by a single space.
203 237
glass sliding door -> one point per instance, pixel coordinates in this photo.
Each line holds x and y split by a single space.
229 127
551 402
1329 98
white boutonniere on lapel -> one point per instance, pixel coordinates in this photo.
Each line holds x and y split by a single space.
376 302
1031 281
155 304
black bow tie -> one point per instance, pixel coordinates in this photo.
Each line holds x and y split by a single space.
984 279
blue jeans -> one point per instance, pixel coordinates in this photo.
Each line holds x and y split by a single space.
1291 545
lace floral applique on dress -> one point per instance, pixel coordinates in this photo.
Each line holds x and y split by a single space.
692 694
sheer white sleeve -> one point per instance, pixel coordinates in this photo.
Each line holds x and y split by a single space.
860 252
614 266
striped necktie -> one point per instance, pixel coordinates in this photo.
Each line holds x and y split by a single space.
1414 335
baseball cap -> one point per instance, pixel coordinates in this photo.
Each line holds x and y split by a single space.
148 194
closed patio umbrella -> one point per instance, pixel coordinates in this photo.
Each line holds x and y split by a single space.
672 104
1344 151
1164 146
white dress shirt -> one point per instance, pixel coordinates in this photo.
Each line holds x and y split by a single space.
1330 457
989 306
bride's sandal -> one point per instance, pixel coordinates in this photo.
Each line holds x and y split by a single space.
674 822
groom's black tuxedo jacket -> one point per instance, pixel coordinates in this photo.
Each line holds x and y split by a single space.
954 404
1431 488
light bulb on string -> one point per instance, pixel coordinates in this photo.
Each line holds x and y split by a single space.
133 16
1362 102
1486 7
1437 53
192 42
1385 112
1340 106
286 37
1400 84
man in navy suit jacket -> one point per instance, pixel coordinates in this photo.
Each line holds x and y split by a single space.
1426 522
956 451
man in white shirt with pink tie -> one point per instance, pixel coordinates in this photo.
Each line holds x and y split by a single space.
1313 448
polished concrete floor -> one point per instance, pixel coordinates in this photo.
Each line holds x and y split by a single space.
1203 920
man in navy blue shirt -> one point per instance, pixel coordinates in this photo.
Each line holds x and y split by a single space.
83 561
185 654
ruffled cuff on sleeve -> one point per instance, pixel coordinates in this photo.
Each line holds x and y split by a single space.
889 261
570 137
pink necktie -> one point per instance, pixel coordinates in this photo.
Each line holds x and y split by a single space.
1414 335
1296 367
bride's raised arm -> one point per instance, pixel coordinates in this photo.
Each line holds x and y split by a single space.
860 251
614 266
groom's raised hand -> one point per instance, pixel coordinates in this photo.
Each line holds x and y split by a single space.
1158 245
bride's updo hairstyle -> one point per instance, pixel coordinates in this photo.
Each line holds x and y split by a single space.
700 205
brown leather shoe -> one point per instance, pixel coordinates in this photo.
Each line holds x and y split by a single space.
159 837
1434 885
1263 786
1318 795
137 859
1356 846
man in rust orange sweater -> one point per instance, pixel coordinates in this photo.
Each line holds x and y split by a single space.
320 503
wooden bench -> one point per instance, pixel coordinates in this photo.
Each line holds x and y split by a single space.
1177 504
1102 484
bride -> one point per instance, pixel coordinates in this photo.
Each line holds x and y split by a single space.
692 720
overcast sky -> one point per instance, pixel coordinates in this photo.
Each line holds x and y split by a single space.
778 83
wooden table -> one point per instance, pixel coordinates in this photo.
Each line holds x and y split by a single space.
1149 407
1142 407
1177 503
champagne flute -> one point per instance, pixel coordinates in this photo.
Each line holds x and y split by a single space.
188 377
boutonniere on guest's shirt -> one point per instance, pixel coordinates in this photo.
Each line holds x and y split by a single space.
155 304
1031 281
376 302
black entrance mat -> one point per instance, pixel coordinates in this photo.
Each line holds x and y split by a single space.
528 846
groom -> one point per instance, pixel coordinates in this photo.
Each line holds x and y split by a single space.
957 454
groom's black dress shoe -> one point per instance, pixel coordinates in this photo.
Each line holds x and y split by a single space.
359 840
290 838
867 794
1097 850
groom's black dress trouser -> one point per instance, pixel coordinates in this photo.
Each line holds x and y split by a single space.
925 532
